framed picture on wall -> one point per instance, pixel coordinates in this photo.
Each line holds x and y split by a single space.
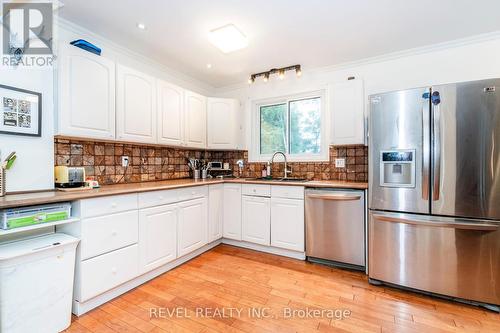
20 111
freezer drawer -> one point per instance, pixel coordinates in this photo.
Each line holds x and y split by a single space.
448 256
335 228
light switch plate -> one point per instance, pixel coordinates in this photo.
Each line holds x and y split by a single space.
340 162
125 161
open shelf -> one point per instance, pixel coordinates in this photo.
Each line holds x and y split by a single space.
38 226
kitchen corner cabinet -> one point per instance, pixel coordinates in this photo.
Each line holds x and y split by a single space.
170 114
287 223
192 226
256 220
157 236
232 211
86 94
347 115
215 211
195 108
223 123
135 106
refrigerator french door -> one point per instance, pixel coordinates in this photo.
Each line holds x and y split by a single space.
434 192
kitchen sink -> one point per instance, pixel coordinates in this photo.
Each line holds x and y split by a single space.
298 180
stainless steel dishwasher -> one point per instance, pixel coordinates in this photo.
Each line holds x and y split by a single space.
335 227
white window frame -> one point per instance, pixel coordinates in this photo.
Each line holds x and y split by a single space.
254 154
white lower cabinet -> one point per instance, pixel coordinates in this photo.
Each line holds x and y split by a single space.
107 271
192 226
232 212
256 221
157 236
287 223
215 211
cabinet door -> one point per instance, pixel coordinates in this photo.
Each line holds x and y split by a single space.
135 106
192 227
157 236
287 223
196 120
256 221
348 123
223 123
170 114
232 211
215 211
86 94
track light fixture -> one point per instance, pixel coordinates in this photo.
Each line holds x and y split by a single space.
279 71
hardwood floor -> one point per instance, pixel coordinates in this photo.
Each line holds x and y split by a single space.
233 279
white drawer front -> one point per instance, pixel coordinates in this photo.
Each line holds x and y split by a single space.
287 192
100 274
257 190
107 233
108 205
158 198
193 192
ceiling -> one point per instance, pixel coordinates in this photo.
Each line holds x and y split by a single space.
313 33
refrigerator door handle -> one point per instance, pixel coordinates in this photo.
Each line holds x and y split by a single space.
436 149
426 146
437 222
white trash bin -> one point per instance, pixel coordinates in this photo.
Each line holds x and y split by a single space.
36 284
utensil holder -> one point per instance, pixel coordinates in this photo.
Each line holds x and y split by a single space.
204 174
2 182
196 174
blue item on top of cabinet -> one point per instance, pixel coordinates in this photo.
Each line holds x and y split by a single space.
83 44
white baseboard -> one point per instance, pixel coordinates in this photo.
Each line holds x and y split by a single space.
81 308
267 249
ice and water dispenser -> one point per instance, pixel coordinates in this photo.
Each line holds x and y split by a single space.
397 168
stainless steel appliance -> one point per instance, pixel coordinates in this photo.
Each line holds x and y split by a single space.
434 190
335 227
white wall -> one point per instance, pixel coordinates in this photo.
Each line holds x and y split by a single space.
33 168
471 59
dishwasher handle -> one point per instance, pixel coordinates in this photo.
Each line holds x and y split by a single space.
334 197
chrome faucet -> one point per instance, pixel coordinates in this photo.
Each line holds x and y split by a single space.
286 171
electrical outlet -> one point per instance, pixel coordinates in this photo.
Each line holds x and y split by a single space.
340 162
125 161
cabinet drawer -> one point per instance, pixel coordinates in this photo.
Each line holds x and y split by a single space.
108 205
102 273
287 192
257 190
157 198
107 233
193 193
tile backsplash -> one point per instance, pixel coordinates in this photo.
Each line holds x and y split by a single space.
103 161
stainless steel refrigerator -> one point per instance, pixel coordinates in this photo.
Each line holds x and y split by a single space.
434 190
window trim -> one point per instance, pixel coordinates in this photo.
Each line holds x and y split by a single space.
254 154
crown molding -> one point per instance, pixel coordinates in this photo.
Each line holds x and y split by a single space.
476 39
181 77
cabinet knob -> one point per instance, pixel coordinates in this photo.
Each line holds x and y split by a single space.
114 270
161 197
114 233
113 205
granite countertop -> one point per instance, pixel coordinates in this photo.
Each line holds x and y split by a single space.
53 196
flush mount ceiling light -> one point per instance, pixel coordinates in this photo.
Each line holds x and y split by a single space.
141 26
279 71
228 38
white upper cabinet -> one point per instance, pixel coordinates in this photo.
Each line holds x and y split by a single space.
347 105
215 211
223 123
86 90
135 106
170 114
195 120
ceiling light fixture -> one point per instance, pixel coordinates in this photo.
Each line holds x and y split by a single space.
228 38
209 66
141 26
279 71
